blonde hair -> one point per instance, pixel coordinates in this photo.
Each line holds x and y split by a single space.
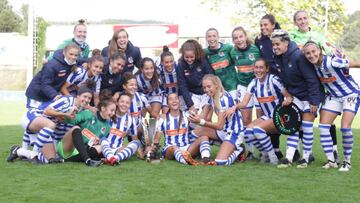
220 89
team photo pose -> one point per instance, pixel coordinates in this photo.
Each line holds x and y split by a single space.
149 84
167 72
178 142
300 80
81 75
192 67
46 84
123 125
40 125
228 129
342 98
80 34
120 43
218 56
111 76
269 91
82 142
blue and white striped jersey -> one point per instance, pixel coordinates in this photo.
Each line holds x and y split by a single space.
138 102
234 123
175 133
169 80
334 76
78 77
144 86
124 125
268 93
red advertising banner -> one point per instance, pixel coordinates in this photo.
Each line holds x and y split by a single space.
152 36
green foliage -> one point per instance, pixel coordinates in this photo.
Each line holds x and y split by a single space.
283 10
350 38
9 21
25 14
40 43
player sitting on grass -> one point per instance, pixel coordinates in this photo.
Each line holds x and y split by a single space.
113 147
39 125
178 143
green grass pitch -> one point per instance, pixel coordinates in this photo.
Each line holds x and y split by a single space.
138 181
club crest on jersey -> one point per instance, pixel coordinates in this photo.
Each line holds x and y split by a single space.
111 81
251 57
198 69
261 47
103 129
130 59
92 121
290 65
222 54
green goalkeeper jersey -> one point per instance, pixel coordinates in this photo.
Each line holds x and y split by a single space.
244 61
93 126
221 63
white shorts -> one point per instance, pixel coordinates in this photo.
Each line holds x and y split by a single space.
163 152
200 100
241 91
31 103
26 120
338 105
155 99
233 138
303 105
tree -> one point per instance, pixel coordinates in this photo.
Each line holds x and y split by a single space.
41 27
283 11
350 40
9 21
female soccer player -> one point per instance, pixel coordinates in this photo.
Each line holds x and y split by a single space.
300 36
244 55
192 67
343 97
120 42
302 83
269 92
228 129
80 34
111 77
81 75
267 25
82 142
113 147
177 142
218 56
40 124
46 84
149 84
167 72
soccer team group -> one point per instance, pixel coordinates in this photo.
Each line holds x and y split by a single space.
93 109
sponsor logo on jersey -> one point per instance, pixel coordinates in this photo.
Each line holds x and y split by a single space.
266 99
176 132
220 64
117 132
328 80
62 73
87 133
130 59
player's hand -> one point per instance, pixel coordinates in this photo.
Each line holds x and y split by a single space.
230 112
194 118
287 101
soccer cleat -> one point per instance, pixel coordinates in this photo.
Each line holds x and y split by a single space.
112 161
337 159
330 164
211 163
302 164
205 160
188 158
345 167
285 163
279 154
311 158
13 153
36 161
93 163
